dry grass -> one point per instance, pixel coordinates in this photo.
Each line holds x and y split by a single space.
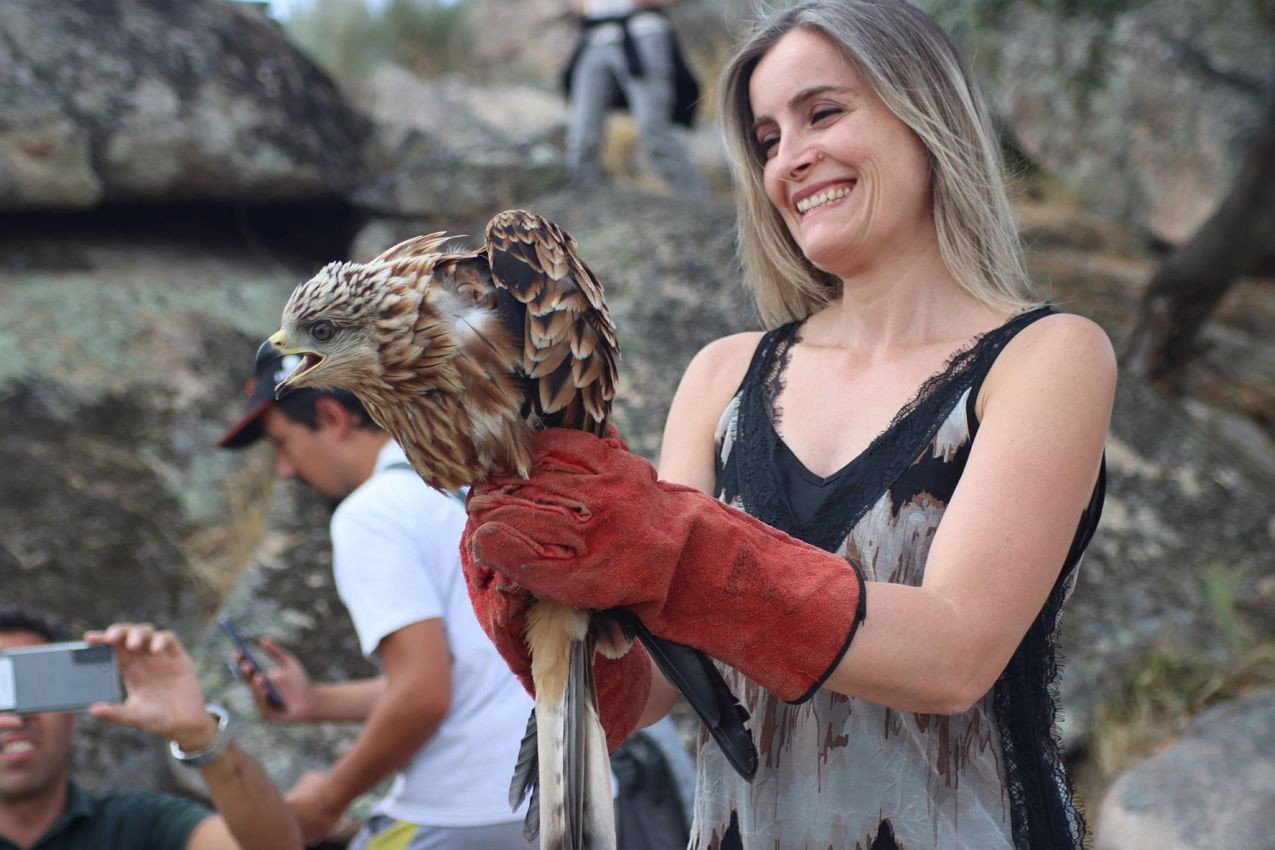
1170 689
1157 705
219 553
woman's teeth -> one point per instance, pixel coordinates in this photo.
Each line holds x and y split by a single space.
17 747
808 204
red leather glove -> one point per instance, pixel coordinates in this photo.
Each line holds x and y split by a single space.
594 528
623 684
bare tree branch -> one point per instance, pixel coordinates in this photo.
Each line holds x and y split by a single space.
1161 339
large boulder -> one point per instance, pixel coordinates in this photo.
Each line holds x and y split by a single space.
148 100
1177 570
125 352
1185 510
448 148
1212 788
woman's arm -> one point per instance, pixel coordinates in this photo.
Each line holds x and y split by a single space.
1045 408
686 454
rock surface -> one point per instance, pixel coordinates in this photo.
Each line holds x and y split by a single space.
1213 788
1145 116
444 147
147 100
124 355
124 359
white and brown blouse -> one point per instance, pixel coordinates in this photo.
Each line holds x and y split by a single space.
840 772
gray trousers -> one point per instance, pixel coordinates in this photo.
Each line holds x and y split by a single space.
600 68
385 833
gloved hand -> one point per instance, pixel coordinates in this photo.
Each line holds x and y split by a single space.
594 528
623 684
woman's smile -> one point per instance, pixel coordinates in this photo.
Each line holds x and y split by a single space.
816 198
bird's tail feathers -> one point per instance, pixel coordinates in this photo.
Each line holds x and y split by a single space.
576 805
524 781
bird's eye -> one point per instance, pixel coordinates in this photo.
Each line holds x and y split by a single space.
323 330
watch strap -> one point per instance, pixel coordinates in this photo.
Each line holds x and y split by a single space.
215 749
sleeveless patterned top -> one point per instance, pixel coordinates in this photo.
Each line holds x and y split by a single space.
840 772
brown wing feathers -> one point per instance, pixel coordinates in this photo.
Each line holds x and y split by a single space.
551 359
569 344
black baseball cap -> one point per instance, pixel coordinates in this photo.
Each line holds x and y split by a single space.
260 391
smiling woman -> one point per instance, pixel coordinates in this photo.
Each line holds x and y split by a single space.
920 437
923 84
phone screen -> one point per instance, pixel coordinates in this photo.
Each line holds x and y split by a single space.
272 695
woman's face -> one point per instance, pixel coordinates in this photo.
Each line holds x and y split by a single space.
850 179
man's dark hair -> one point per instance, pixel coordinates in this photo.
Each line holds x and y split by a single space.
299 406
46 625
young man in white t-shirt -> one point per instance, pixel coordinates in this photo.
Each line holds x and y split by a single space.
446 715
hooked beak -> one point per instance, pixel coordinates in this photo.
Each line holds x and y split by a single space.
276 346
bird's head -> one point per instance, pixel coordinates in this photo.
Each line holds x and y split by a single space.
332 322
352 322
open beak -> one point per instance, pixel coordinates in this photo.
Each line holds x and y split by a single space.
277 346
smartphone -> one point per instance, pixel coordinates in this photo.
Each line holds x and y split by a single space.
58 677
272 696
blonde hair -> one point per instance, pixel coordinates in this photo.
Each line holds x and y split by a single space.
916 71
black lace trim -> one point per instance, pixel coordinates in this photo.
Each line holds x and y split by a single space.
1046 814
749 473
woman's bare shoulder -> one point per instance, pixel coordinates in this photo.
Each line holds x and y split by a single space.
1065 351
724 359
1064 340
713 376
710 380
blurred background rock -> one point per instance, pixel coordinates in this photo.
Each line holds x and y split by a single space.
169 171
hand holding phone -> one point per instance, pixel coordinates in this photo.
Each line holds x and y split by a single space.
58 677
272 695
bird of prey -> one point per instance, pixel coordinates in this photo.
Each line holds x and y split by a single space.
461 355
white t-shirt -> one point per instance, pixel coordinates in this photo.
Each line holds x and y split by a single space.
396 558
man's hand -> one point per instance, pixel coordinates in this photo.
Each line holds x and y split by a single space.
290 680
164 697
313 805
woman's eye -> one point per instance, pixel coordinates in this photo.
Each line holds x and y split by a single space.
766 147
824 112
323 330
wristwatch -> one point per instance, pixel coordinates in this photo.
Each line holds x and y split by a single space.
215 749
